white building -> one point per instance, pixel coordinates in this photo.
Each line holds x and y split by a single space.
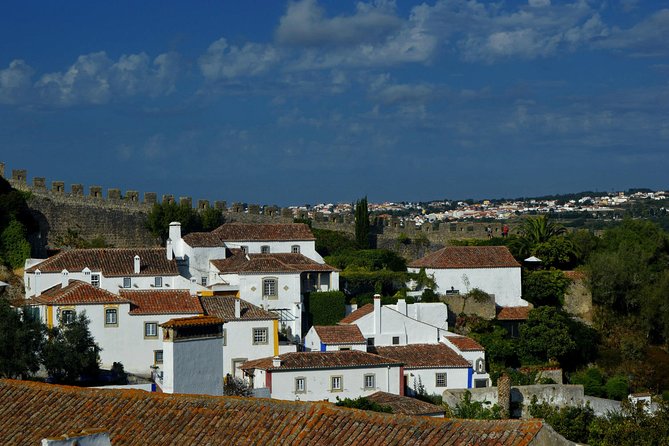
326 338
474 353
125 327
199 352
459 269
384 325
319 376
434 367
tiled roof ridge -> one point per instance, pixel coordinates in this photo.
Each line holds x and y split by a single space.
58 293
457 257
294 230
357 314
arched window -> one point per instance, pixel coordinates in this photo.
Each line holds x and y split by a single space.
480 365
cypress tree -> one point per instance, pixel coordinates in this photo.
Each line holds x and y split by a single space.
362 224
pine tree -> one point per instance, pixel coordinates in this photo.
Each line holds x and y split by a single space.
362 224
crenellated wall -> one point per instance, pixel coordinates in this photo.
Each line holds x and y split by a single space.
120 218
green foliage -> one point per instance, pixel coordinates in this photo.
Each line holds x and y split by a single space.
329 242
633 427
476 410
235 386
161 215
325 307
72 239
363 403
544 287
617 387
21 339
429 296
558 252
424 281
368 260
592 379
70 352
362 224
14 246
501 351
573 423
385 282
540 229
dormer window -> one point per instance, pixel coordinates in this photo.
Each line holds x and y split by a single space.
95 280
245 249
295 249
158 282
127 283
264 249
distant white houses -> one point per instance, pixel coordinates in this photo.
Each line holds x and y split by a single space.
335 337
459 269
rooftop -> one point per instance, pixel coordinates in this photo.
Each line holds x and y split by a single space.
223 307
405 405
340 334
357 314
321 360
423 356
264 232
513 313
31 411
111 262
203 240
77 293
162 302
269 263
193 321
465 344
468 257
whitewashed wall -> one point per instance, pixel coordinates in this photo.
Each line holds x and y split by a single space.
456 378
193 366
239 343
393 323
307 248
312 342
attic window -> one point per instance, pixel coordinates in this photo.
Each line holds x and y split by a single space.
95 280
127 282
295 249
264 249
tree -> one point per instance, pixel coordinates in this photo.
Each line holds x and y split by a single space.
70 353
14 245
234 386
545 287
634 426
362 224
540 229
573 423
545 336
363 403
161 215
21 338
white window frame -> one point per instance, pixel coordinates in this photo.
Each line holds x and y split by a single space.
260 335
127 282
148 335
369 381
95 280
158 282
336 383
108 312
441 376
300 384
270 287
295 249
203 280
158 354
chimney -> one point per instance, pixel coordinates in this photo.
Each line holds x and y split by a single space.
504 394
38 290
402 306
276 362
137 265
238 308
377 314
168 249
64 278
175 236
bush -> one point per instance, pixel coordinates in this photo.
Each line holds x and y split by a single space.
363 403
14 246
617 387
325 307
571 422
592 380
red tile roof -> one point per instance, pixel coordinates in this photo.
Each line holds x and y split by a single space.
468 257
269 263
357 314
514 313
465 344
32 411
203 240
111 262
423 356
162 302
223 307
77 293
321 360
264 232
405 405
340 334
194 321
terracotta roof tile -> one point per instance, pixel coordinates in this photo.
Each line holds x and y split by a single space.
111 262
465 344
514 313
162 302
264 232
31 411
223 307
468 257
415 356
77 292
266 263
357 314
321 360
203 240
404 404
340 334
193 321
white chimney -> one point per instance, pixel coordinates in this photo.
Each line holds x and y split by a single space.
377 314
402 306
64 278
137 265
276 362
168 249
238 308
38 290
175 236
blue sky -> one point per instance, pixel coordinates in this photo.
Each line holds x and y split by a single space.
311 101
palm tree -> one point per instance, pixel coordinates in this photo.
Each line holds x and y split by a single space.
540 229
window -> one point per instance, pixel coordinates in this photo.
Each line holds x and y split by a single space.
370 341
259 336
480 383
225 336
370 381
126 282
203 280
245 249
440 380
300 384
396 340
67 316
480 366
111 317
158 282
336 383
150 329
95 281
344 348
264 249
269 288
157 356
295 249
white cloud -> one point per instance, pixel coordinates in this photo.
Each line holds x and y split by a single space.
539 3
647 38
15 82
224 61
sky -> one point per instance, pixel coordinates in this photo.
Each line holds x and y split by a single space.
314 101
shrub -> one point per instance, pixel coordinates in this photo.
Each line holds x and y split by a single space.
325 307
617 387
